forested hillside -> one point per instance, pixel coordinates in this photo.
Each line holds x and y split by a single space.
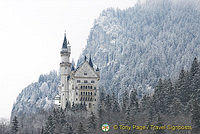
173 108
139 45
133 48
37 96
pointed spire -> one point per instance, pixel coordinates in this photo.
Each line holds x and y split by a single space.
65 41
97 69
90 62
73 65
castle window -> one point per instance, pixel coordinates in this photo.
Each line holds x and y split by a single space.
90 106
81 93
91 99
85 73
81 87
76 93
86 87
94 87
86 93
78 81
94 93
92 81
81 99
76 99
91 93
95 99
85 81
76 87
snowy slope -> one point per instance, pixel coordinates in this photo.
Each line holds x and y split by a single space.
138 45
37 96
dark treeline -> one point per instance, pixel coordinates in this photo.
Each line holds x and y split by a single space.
174 103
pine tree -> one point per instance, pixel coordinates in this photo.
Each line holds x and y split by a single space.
196 117
92 122
102 96
66 129
194 67
14 125
101 112
125 101
158 97
81 129
108 105
176 108
116 107
145 103
50 126
134 100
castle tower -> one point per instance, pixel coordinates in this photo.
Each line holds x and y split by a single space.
65 70
78 86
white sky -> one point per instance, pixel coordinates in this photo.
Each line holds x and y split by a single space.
31 35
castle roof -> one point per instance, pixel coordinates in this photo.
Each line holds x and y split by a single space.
65 42
83 66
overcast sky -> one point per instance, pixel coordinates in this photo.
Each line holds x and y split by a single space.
31 35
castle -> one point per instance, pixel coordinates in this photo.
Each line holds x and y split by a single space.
78 85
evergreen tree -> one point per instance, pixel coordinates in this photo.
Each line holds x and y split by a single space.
176 108
67 129
195 67
101 112
145 103
128 116
50 126
125 101
92 122
159 97
180 87
108 105
196 117
14 125
42 131
102 95
134 100
81 129
116 107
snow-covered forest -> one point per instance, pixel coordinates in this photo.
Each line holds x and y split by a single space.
175 103
139 45
149 73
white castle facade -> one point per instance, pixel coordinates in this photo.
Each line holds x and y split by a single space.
77 86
